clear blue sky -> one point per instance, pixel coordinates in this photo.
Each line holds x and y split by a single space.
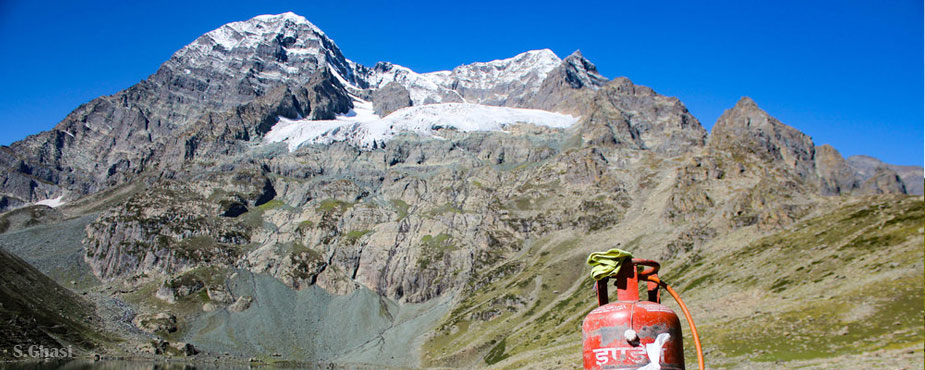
847 73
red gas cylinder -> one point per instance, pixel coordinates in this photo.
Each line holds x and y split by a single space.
629 333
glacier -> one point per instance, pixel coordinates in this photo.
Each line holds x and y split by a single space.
364 129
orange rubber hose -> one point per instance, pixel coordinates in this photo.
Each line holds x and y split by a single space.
687 315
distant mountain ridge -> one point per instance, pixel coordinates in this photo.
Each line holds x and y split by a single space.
867 168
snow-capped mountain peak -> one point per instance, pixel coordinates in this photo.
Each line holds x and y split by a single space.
528 67
287 16
267 47
251 31
240 61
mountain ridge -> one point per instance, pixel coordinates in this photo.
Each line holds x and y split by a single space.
268 52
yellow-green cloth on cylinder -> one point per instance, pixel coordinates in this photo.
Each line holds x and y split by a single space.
604 264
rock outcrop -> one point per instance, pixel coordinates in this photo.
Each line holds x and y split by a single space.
835 175
861 176
883 181
389 98
569 87
158 323
626 115
867 167
748 131
173 227
27 217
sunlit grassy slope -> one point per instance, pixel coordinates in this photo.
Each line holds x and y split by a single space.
846 281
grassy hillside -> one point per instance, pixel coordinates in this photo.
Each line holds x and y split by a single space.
847 280
35 310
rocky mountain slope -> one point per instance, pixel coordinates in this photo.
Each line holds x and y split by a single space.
261 192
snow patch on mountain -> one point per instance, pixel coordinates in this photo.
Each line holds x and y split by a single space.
422 87
364 129
53 202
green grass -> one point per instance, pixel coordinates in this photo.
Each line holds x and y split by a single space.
299 249
522 325
791 268
440 241
434 248
444 209
401 207
818 328
496 354
333 205
820 265
273 204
